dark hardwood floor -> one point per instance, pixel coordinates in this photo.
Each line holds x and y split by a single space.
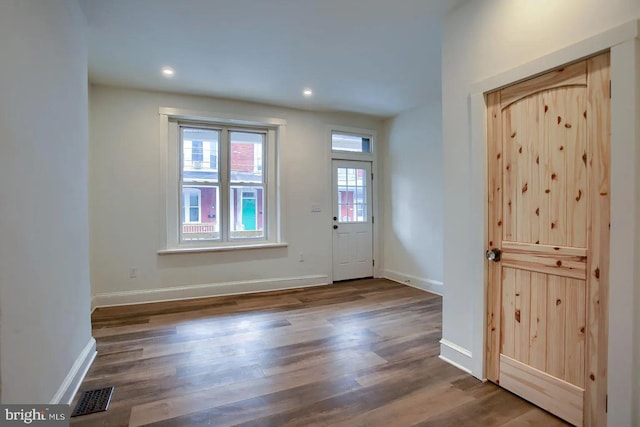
361 353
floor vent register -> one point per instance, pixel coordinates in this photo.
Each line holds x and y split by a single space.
93 401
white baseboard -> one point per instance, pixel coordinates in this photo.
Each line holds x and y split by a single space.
455 355
429 285
205 290
72 381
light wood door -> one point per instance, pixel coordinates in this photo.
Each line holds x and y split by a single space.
352 220
548 162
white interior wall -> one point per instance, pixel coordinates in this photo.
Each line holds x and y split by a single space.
44 248
126 210
411 199
480 40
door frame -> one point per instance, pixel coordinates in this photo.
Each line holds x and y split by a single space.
371 157
623 43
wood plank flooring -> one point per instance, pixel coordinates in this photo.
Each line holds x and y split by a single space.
360 353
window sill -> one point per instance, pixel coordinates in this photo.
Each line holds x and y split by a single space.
188 250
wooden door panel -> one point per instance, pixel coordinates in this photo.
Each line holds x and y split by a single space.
521 315
548 156
545 168
575 327
576 170
556 312
507 314
544 322
538 323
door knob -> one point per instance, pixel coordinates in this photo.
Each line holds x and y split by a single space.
335 227
493 254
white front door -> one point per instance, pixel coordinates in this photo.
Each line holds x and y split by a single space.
352 220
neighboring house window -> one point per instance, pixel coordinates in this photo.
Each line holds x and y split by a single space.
221 181
190 205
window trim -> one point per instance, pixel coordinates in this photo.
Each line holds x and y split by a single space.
170 120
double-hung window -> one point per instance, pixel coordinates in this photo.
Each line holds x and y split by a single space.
223 190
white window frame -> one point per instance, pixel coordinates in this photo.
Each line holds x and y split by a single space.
170 121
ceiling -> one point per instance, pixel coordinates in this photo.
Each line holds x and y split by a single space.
377 57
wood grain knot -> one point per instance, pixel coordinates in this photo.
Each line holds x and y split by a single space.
604 193
547 191
525 187
592 377
558 301
554 176
499 155
513 135
579 196
585 114
499 223
559 263
538 160
562 148
553 225
559 119
537 211
567 125
520 150
596 272
518 316
546 108
584 159
582 330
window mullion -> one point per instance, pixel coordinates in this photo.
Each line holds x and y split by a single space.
223 173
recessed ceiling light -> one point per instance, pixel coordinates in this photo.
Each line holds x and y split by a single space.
168 72
307 92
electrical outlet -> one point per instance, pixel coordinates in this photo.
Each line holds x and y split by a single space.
133 272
